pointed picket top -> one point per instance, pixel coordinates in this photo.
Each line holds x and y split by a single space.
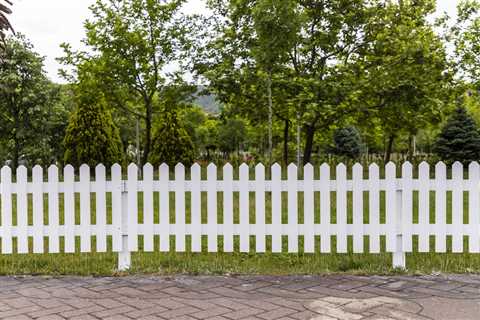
227 166
259 168
100 167
325 172
473 165
164 167
292 170
373 171
341 171
116 166
390 170
308 167
211 168
68 170
457 170
276 169
37 172
180 171
424 170
6 174
53 173
407 170
424 166
132 171
373 167
179 166
84 167
474 171
244 169
357 171
22 173
440 170
227 171
148 171
148 167
195 166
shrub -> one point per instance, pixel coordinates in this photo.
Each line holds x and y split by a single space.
171 143
348 142
459 139
92 137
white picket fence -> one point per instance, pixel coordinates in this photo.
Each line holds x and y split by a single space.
398 226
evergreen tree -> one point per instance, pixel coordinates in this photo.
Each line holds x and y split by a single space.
459 139
171 143
92 137
347 142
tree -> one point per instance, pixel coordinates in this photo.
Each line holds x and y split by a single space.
459 139
231 135
171 143
133 43
4 23
91 136
404 80
348 142
25 95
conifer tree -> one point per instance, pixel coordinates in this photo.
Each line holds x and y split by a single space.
459 139
171 143
347 142
92 137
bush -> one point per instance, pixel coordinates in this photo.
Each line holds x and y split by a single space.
459 139
92 137
348 142
171 143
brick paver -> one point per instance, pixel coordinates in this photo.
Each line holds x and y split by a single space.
337 297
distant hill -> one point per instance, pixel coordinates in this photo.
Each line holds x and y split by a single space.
208 102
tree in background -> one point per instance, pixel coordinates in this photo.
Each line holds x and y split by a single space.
348 142
133 42
25 101
171 143
91 136
459 139
404 81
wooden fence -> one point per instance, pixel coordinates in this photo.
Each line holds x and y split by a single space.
328 207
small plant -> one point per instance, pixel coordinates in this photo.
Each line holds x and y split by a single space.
348 142
459 139
171 143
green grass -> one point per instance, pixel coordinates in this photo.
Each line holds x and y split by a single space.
236 263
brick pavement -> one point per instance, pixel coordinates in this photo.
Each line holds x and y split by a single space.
341 297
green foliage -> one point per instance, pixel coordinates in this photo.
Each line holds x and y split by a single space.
92 137
459 139
231 135
348 142
32 114
171 143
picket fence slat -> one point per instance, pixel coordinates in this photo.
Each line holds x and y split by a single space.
22 209
424 208
6 179
180 207
37 196
196 209
148 245
281 207
53 210
473 206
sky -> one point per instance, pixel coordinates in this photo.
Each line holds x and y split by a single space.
48 23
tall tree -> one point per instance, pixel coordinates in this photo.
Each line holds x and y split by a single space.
405 79
133 43
25 93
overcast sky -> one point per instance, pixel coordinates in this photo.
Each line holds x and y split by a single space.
48 23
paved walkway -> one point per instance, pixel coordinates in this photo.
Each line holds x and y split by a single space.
229 298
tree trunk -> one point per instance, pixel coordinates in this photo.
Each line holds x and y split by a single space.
285 141
310 135
270 117
148 133
388 154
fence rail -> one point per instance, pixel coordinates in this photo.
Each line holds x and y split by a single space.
396 208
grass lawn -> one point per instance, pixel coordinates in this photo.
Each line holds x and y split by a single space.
222 263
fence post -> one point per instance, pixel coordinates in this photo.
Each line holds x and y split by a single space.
124 257
399 260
